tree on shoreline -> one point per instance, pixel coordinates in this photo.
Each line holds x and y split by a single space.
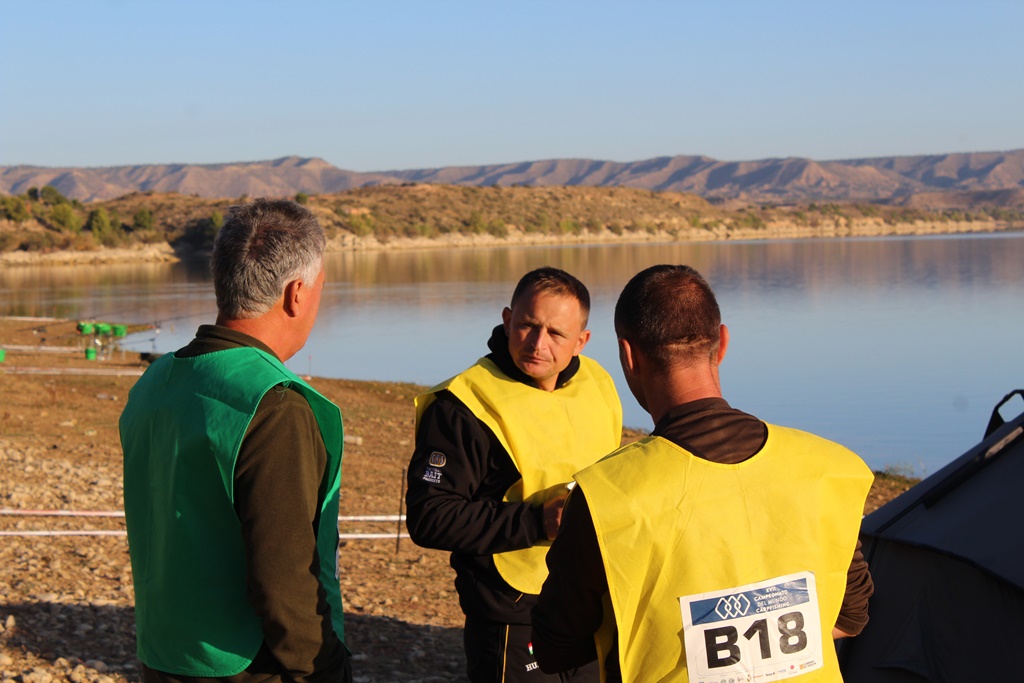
64 217
142 220
101 228
15 209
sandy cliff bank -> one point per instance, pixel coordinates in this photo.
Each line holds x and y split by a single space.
871 227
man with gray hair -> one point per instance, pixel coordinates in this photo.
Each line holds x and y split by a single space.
232 470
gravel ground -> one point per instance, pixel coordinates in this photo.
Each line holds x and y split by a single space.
66 602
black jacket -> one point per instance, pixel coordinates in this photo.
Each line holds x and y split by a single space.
458 506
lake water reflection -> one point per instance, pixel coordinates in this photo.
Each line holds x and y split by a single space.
898 348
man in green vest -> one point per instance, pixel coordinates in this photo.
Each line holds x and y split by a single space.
495 447
232 469
720 548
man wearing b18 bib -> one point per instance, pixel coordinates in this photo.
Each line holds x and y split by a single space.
717 548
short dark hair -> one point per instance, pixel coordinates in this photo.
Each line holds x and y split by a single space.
554 281
670 314
262 246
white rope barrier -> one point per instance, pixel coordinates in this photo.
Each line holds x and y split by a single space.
33 319
118 513
98 532
93 532
61 513
358 536
72 371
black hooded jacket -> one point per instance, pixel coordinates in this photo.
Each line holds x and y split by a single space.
458 506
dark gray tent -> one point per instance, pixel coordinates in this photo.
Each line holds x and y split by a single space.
947 558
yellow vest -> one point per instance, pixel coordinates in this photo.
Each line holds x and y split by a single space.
549 436
674 528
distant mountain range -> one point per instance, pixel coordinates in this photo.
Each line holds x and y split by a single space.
928 181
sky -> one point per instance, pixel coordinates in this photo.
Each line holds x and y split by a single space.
389 84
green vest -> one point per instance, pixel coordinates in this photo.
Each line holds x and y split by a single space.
549 435
181 432
675 529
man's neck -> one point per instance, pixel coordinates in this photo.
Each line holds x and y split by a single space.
263 329
679 386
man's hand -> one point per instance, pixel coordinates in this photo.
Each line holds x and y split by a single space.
553 512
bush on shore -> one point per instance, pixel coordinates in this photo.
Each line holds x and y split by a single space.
45 220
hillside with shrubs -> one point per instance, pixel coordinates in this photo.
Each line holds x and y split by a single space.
43 220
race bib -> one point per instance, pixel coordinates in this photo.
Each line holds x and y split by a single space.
764 631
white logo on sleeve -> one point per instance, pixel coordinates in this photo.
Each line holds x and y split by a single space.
436 461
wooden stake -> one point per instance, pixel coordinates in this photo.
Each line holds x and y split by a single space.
401 502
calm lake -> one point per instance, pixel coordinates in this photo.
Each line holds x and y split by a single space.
896 347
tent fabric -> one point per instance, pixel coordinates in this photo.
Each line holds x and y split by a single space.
938 620
947 559
971 520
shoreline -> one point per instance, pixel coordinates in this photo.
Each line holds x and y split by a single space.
68 609
872 227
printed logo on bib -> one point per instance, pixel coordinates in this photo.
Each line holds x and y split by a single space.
764 631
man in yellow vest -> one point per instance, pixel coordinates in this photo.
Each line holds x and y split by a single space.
495 447
232 469
719 548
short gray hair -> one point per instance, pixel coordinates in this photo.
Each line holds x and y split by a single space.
262 246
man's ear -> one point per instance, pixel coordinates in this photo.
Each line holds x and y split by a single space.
506 320
627 357
723 342
581 342
294 297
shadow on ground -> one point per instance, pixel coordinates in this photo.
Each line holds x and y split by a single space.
60 637
387 649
